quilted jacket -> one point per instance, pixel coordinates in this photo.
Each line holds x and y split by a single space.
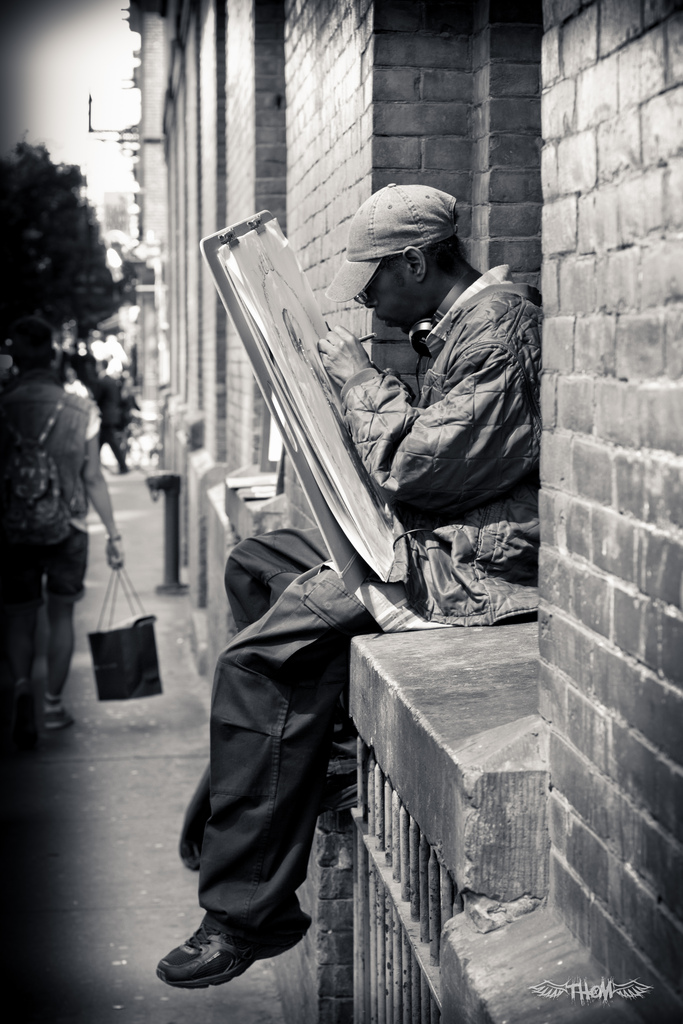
459 466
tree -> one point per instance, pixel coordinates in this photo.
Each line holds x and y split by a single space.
52 261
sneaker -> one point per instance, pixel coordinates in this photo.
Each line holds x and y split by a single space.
24 731
211 957
55 715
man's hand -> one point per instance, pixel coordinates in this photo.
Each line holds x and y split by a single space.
342 355
114 553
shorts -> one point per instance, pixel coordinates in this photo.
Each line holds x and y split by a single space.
23 566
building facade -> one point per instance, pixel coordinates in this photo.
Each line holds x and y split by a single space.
558 127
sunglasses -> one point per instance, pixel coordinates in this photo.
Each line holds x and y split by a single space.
362 296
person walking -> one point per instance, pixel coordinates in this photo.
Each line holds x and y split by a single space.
50 470
107 394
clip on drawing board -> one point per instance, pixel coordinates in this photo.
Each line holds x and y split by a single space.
275 313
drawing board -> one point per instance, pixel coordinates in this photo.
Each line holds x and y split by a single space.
275 313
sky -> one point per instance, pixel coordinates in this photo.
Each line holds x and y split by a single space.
53 53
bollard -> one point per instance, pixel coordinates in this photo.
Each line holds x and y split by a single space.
169 483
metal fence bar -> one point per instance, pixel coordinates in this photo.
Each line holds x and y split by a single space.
402 897
425 1000
424 888
372 920
362 777
381 951
447 895
406 961
383 878
360 933
388 822
370 807
398 970
434 879
389 954
404 852
416 990
414 835
396 835
379 807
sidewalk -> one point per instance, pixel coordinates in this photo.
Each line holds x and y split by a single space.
94 890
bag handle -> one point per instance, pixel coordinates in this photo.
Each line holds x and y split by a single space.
130 593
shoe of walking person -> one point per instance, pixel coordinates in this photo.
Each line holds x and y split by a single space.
212 957
24 731
55 715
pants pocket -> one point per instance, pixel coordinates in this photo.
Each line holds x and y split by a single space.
327 596
242 761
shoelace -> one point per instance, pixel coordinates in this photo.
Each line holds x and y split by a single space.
202 936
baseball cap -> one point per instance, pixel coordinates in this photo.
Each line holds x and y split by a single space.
391 219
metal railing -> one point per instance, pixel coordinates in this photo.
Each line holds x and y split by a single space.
403 896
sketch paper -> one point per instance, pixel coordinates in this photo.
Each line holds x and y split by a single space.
277 317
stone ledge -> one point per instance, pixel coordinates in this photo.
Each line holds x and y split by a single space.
457 707
487 978
256 516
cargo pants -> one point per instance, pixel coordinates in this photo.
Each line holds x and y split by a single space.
275 691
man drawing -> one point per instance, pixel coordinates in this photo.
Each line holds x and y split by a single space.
459 467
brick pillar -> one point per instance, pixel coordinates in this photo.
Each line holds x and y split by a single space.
506 187
211 37
270 115
270 163
191 225
422 92
241 203
612 465
315 979
174 267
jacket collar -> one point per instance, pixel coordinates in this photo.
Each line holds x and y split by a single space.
448 308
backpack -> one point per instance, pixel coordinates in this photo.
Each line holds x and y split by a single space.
33 508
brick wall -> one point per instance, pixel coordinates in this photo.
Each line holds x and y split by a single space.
212 157
328 68
170 271
315 979
422 95
328 64
612 461
191 182
270 155
153 70
241 203
383 92
270 150
506 116
176 274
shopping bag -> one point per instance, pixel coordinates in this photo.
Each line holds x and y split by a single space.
125 656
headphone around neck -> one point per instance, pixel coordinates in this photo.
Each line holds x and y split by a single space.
418 333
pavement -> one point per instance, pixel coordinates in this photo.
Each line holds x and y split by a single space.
94 893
